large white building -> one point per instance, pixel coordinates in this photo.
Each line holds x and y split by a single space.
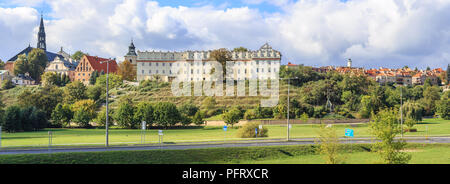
196 65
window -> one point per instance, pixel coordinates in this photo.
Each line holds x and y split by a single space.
149 64
156 64
142 71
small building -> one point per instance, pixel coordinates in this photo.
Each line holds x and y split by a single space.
89 64
23 80
5 75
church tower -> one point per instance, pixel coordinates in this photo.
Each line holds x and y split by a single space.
131 55
41 36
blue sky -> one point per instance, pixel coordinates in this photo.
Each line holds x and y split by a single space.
390 33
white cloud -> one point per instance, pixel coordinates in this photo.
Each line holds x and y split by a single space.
314 32
16 30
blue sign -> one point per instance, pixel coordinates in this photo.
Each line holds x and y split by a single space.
256 130
225 128
349 132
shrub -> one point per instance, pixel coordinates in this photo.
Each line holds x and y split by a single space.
248 131
198 118
7 84
250 114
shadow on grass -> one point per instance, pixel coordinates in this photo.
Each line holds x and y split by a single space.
285 152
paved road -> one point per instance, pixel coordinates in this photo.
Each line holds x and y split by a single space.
213 145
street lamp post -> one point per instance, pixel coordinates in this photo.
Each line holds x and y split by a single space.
107 96
401 109
288 105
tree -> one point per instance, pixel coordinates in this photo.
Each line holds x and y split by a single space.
74 91
94 76
82 118
2 65
62 115
443 106
96 93
448 74
12 119
33 119
113 79
385 127
144 112
100 120
45 98
329 145
198 118
21 65
166 114
240 49
50 78
84 112
430 96
124 114
78 55
232 116
413 110
188 109
127 71
222 56
34 64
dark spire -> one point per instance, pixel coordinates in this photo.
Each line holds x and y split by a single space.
132 49
41 35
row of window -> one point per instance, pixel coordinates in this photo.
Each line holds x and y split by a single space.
204 63
204 72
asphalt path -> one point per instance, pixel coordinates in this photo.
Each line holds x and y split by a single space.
201 145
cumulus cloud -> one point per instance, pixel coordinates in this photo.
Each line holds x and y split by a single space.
374 33
16 28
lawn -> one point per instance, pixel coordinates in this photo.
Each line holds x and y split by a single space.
435 127
300 154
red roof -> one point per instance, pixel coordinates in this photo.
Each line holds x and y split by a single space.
96 65
290 64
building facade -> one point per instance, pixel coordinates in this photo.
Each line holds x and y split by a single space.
196 65
89 64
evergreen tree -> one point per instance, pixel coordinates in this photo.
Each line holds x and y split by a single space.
93 78
448 74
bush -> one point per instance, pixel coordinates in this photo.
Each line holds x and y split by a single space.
7 84
250 114
198 118
248 131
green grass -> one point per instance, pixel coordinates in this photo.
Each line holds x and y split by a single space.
436 127
300 154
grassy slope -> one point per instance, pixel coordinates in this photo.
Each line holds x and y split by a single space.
301 154
436 127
